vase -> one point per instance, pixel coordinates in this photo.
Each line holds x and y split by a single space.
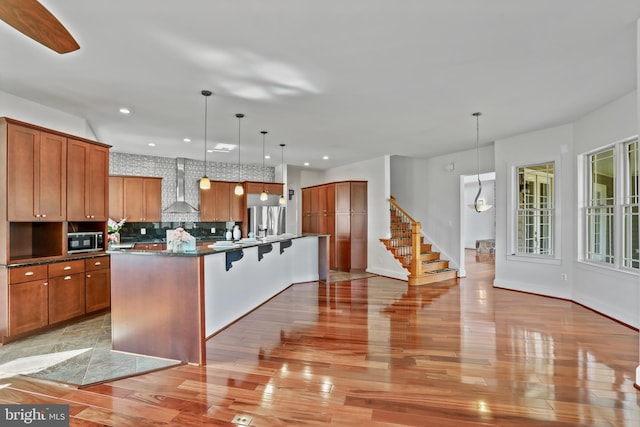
237 234
113 239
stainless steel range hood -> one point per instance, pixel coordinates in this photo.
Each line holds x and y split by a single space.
180 206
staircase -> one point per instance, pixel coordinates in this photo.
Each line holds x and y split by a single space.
406 240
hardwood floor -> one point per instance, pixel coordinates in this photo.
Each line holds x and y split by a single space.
373 352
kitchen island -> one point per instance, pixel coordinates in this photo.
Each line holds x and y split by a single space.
166 304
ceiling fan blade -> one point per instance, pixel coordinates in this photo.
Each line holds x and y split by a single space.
34 20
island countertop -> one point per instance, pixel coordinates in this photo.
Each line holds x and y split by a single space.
166 304
221 246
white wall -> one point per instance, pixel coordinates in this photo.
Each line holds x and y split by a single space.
610 292
529 274
24 110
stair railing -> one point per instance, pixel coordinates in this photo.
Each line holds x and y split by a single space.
406 236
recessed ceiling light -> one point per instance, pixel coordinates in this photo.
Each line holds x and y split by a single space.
152 144
267 156
306 163
325 157
221 146
209 150
125 110
187 140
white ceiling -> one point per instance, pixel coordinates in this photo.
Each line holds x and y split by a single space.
352 79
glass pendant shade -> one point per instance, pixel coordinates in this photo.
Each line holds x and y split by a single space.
205 183
239 190
282 200
264 196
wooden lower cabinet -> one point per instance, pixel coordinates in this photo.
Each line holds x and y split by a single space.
66 297
32 298
45 294
97 284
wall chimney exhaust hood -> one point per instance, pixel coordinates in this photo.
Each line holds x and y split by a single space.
180 206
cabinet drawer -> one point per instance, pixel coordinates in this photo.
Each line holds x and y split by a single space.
93 264
28 273
66 268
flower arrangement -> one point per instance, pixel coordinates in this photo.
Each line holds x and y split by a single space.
115 227
179 236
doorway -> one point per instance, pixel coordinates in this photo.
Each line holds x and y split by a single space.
477 229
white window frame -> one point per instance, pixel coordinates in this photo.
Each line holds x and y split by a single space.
512 229
620 201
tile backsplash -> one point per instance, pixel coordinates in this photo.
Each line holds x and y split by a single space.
165 167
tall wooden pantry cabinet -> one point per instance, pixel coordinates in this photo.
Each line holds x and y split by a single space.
339 209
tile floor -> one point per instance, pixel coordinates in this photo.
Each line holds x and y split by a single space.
77 354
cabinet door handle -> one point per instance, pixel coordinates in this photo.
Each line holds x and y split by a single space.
37 215
29 273
68 267
46 283
44 215
88 275
97 263
67 277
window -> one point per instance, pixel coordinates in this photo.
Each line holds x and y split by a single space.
535 213
600 207
631 210
611 213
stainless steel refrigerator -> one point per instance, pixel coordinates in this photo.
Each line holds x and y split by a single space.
266 218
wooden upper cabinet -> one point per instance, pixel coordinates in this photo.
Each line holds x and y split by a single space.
315 199
359 197
343 196
257 187
220 204
236 205
116 197
153 199
36 175
87 188
142 198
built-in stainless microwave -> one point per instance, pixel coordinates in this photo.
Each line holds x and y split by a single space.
87 241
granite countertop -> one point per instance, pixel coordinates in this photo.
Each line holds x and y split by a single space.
224 246
51 260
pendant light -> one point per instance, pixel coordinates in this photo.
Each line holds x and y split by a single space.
239 190
205 183
478 204
263 195
282 200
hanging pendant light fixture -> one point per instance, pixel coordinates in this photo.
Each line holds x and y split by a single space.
239 190
479 204
282 200
205 183
263 195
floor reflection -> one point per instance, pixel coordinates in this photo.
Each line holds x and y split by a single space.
448 353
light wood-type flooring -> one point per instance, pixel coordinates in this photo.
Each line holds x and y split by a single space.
373 352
